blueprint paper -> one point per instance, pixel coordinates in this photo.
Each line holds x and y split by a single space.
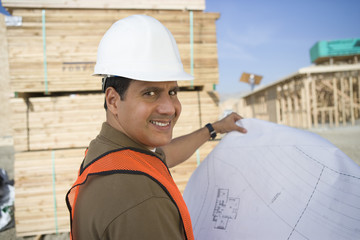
275 182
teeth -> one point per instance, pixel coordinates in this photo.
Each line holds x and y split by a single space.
160 123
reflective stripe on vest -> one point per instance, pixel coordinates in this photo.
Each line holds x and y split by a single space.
132 161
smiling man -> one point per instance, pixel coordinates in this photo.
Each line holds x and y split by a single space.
124 189
148 112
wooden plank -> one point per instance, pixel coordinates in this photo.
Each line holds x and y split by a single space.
278 105
314 101
283 106
35 209
183 172
290 110
308 99
343 106
331 118
56 122
297 122
189 119
336 105
271 107
303 106
351 101
108 4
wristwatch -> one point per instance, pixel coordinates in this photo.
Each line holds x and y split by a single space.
211 131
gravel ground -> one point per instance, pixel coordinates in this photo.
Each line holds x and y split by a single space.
345 138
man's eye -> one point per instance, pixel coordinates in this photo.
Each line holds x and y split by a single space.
173 93
152 93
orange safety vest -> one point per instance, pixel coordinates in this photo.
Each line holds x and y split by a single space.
129 160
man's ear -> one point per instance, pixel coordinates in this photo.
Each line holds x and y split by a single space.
111 98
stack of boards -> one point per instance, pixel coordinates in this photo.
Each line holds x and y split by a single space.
59 107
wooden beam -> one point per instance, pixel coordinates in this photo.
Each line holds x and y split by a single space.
351 101
343 107
278 106
297 122
336 107
290 111
308 107
109 4
283 106
331 120
304 123
314 102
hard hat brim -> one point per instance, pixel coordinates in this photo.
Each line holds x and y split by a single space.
161 77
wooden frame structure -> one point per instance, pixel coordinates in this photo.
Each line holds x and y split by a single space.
315 96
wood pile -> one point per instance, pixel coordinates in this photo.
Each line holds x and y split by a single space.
56 122
59 110
55 50
42 179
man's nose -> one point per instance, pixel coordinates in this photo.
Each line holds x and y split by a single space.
166 105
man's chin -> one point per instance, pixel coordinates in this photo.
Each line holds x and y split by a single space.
160 142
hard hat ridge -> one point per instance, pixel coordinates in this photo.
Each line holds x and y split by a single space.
141 48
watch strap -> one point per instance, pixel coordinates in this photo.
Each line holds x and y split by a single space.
211 130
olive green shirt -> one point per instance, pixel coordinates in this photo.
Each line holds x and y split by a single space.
123 206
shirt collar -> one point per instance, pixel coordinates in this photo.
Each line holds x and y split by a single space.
122 140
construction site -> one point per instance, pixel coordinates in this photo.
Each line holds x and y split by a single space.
323 94
52 106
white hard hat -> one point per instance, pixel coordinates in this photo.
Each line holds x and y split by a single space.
139 47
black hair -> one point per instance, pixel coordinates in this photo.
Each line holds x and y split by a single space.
120 84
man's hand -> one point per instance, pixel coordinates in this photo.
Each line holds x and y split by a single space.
228 124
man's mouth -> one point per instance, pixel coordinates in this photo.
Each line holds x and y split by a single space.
160 124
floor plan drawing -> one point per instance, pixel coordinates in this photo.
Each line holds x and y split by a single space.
225 208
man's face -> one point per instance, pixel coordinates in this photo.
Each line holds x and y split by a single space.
149 112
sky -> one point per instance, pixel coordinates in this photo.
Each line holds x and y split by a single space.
272 38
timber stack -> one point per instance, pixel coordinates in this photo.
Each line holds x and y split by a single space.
57 105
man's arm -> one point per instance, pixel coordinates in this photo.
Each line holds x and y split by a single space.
181 148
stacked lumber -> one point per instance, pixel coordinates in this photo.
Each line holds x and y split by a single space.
183 171
71 40
56 122
42 179
198 108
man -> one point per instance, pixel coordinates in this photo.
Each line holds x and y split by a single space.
124 189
